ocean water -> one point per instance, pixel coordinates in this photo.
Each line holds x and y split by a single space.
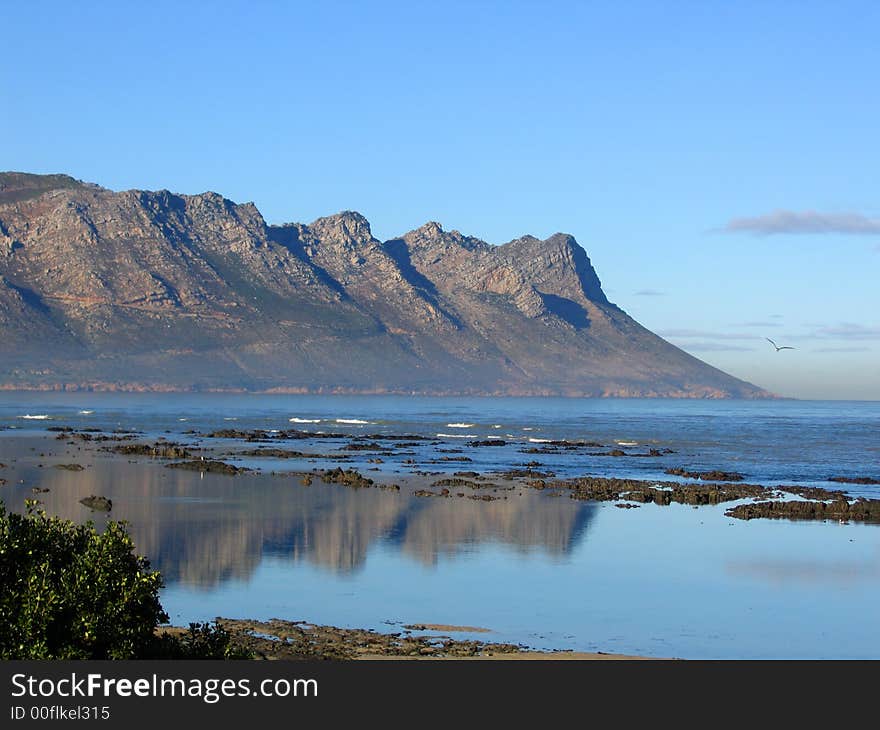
545 571
769 442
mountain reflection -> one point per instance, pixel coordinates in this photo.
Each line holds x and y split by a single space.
204 530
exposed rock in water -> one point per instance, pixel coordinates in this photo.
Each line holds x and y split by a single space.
664 493
708 476
349 478
274 453
861 510
652 453
854 480
836 505
488 442
457 482
259 435
158 450
816 492
525 473
77 435
98 503
300 640
70 467
556 445
211 466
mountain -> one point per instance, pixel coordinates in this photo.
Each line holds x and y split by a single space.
146 290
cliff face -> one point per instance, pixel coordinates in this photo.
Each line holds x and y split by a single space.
152 290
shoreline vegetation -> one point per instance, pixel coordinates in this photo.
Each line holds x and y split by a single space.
211 453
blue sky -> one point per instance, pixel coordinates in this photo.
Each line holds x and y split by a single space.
718 161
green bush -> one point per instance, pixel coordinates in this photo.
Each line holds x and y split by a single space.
199 641
68 591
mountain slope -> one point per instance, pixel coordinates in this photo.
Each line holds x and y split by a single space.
153 290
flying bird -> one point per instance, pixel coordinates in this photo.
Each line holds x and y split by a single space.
778 348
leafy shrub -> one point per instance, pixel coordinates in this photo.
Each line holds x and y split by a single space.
70 592
199 641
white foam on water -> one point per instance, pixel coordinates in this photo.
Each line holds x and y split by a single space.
497 426
86 413
460 425
528 428
456 435
304 420
41 417
351 420
230 418
540 441
627 443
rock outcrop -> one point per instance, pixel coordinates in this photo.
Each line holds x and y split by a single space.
159 291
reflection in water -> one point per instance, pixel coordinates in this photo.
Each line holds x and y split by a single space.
205 529
526 523
786 572
659 581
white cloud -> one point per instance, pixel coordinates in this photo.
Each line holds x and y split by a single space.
805 222
849 331
842 349
704 334
713 347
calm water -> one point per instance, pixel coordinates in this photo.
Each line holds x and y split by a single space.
547 572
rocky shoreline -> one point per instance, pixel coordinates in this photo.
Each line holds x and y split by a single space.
706 487
64 459
300 640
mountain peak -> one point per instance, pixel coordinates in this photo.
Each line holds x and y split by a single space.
431 228
431 236
557 264
563 240
19 186
347 225
155 290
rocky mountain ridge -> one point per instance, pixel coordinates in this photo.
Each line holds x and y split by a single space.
153 290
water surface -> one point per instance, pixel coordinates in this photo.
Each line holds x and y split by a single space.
541 570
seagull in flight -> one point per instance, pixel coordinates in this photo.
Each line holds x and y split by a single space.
778 348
